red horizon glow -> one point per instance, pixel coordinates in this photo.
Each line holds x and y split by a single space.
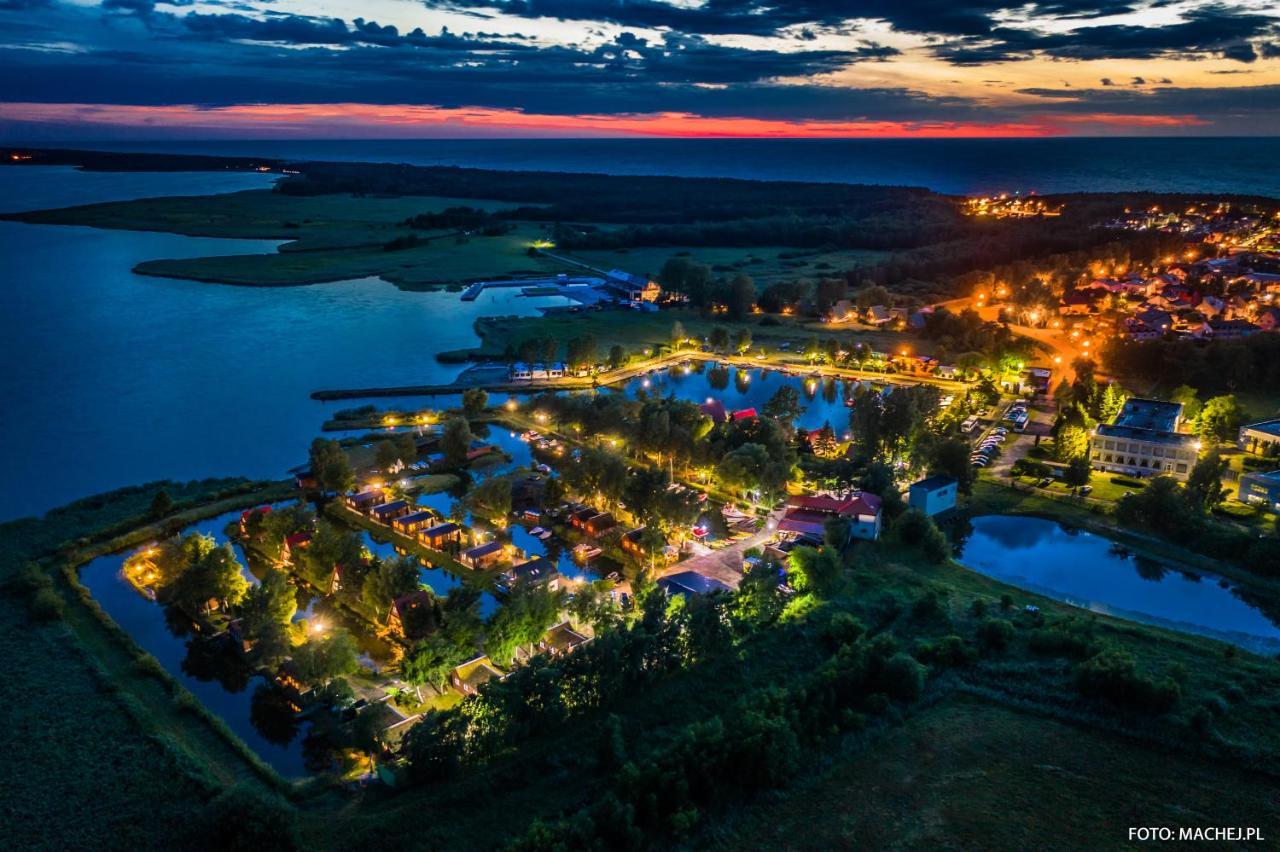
352 119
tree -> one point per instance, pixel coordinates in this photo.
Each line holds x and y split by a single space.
217 576
719 338
491 500
474 402
1204 483
386 456
742 340
617 356
1190 400
916 529
388 580
678 334
784 405
740 470
581 351
322 658
528 612
331 467
1110 403
950 457
270 603
1220 419
742 297
161 504
456 440
869 297
432 660
1071 443
1078 471
815 570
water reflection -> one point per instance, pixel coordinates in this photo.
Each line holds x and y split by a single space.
1087 570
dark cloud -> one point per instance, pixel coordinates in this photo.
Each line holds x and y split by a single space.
1207 31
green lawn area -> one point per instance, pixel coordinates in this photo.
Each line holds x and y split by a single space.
636 331
968 774
765 264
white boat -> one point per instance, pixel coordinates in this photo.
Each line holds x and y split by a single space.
544 535
537 531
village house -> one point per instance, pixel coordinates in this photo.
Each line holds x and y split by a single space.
842 311
561 639
473 674
540 571
633 288
1144 440
807 515
690 583
599 523
934 495
878 315
249 516
293 545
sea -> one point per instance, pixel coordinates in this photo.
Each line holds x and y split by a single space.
1243 165
111 378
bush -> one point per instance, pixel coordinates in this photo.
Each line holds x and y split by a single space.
1069 639
1112 675
844 628
947 652
241 819
903 678
995 634
46 605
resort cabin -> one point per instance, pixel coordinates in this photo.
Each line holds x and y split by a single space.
631 542
249 516
293 545
365 500
413 522
807 515
579 517
690 583
483 555
401 616
472 675
934 495
599 523
561 639
443 537
388 512
541 571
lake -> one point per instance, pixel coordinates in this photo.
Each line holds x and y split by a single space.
114 379
1090 572
207 668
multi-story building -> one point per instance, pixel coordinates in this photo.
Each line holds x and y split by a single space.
1144 440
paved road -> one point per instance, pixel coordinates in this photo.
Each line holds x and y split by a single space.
725 564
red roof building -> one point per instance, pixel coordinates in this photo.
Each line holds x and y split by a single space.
807 515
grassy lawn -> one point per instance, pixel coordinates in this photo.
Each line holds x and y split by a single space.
967 774
765 264
637 331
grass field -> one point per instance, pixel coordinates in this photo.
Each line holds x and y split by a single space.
636 331
967 774
765 264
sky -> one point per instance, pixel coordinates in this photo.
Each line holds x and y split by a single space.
256 69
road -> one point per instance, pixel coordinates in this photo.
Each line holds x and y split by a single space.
725 564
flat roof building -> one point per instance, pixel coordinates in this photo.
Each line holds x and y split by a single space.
1261 488
1144 440
1260 437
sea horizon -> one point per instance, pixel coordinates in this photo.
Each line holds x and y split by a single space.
962 166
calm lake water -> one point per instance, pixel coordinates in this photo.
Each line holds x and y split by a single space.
113 378
211 671
1088 571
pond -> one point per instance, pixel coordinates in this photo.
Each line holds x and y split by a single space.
256 711
823 399
1092 572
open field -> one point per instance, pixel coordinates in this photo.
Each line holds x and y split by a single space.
636 331
968 774
765 264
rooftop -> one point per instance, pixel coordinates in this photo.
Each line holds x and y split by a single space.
1272 477
933 483
691 582
1151 414
1267 427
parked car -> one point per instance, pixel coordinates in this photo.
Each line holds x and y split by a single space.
1086 490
